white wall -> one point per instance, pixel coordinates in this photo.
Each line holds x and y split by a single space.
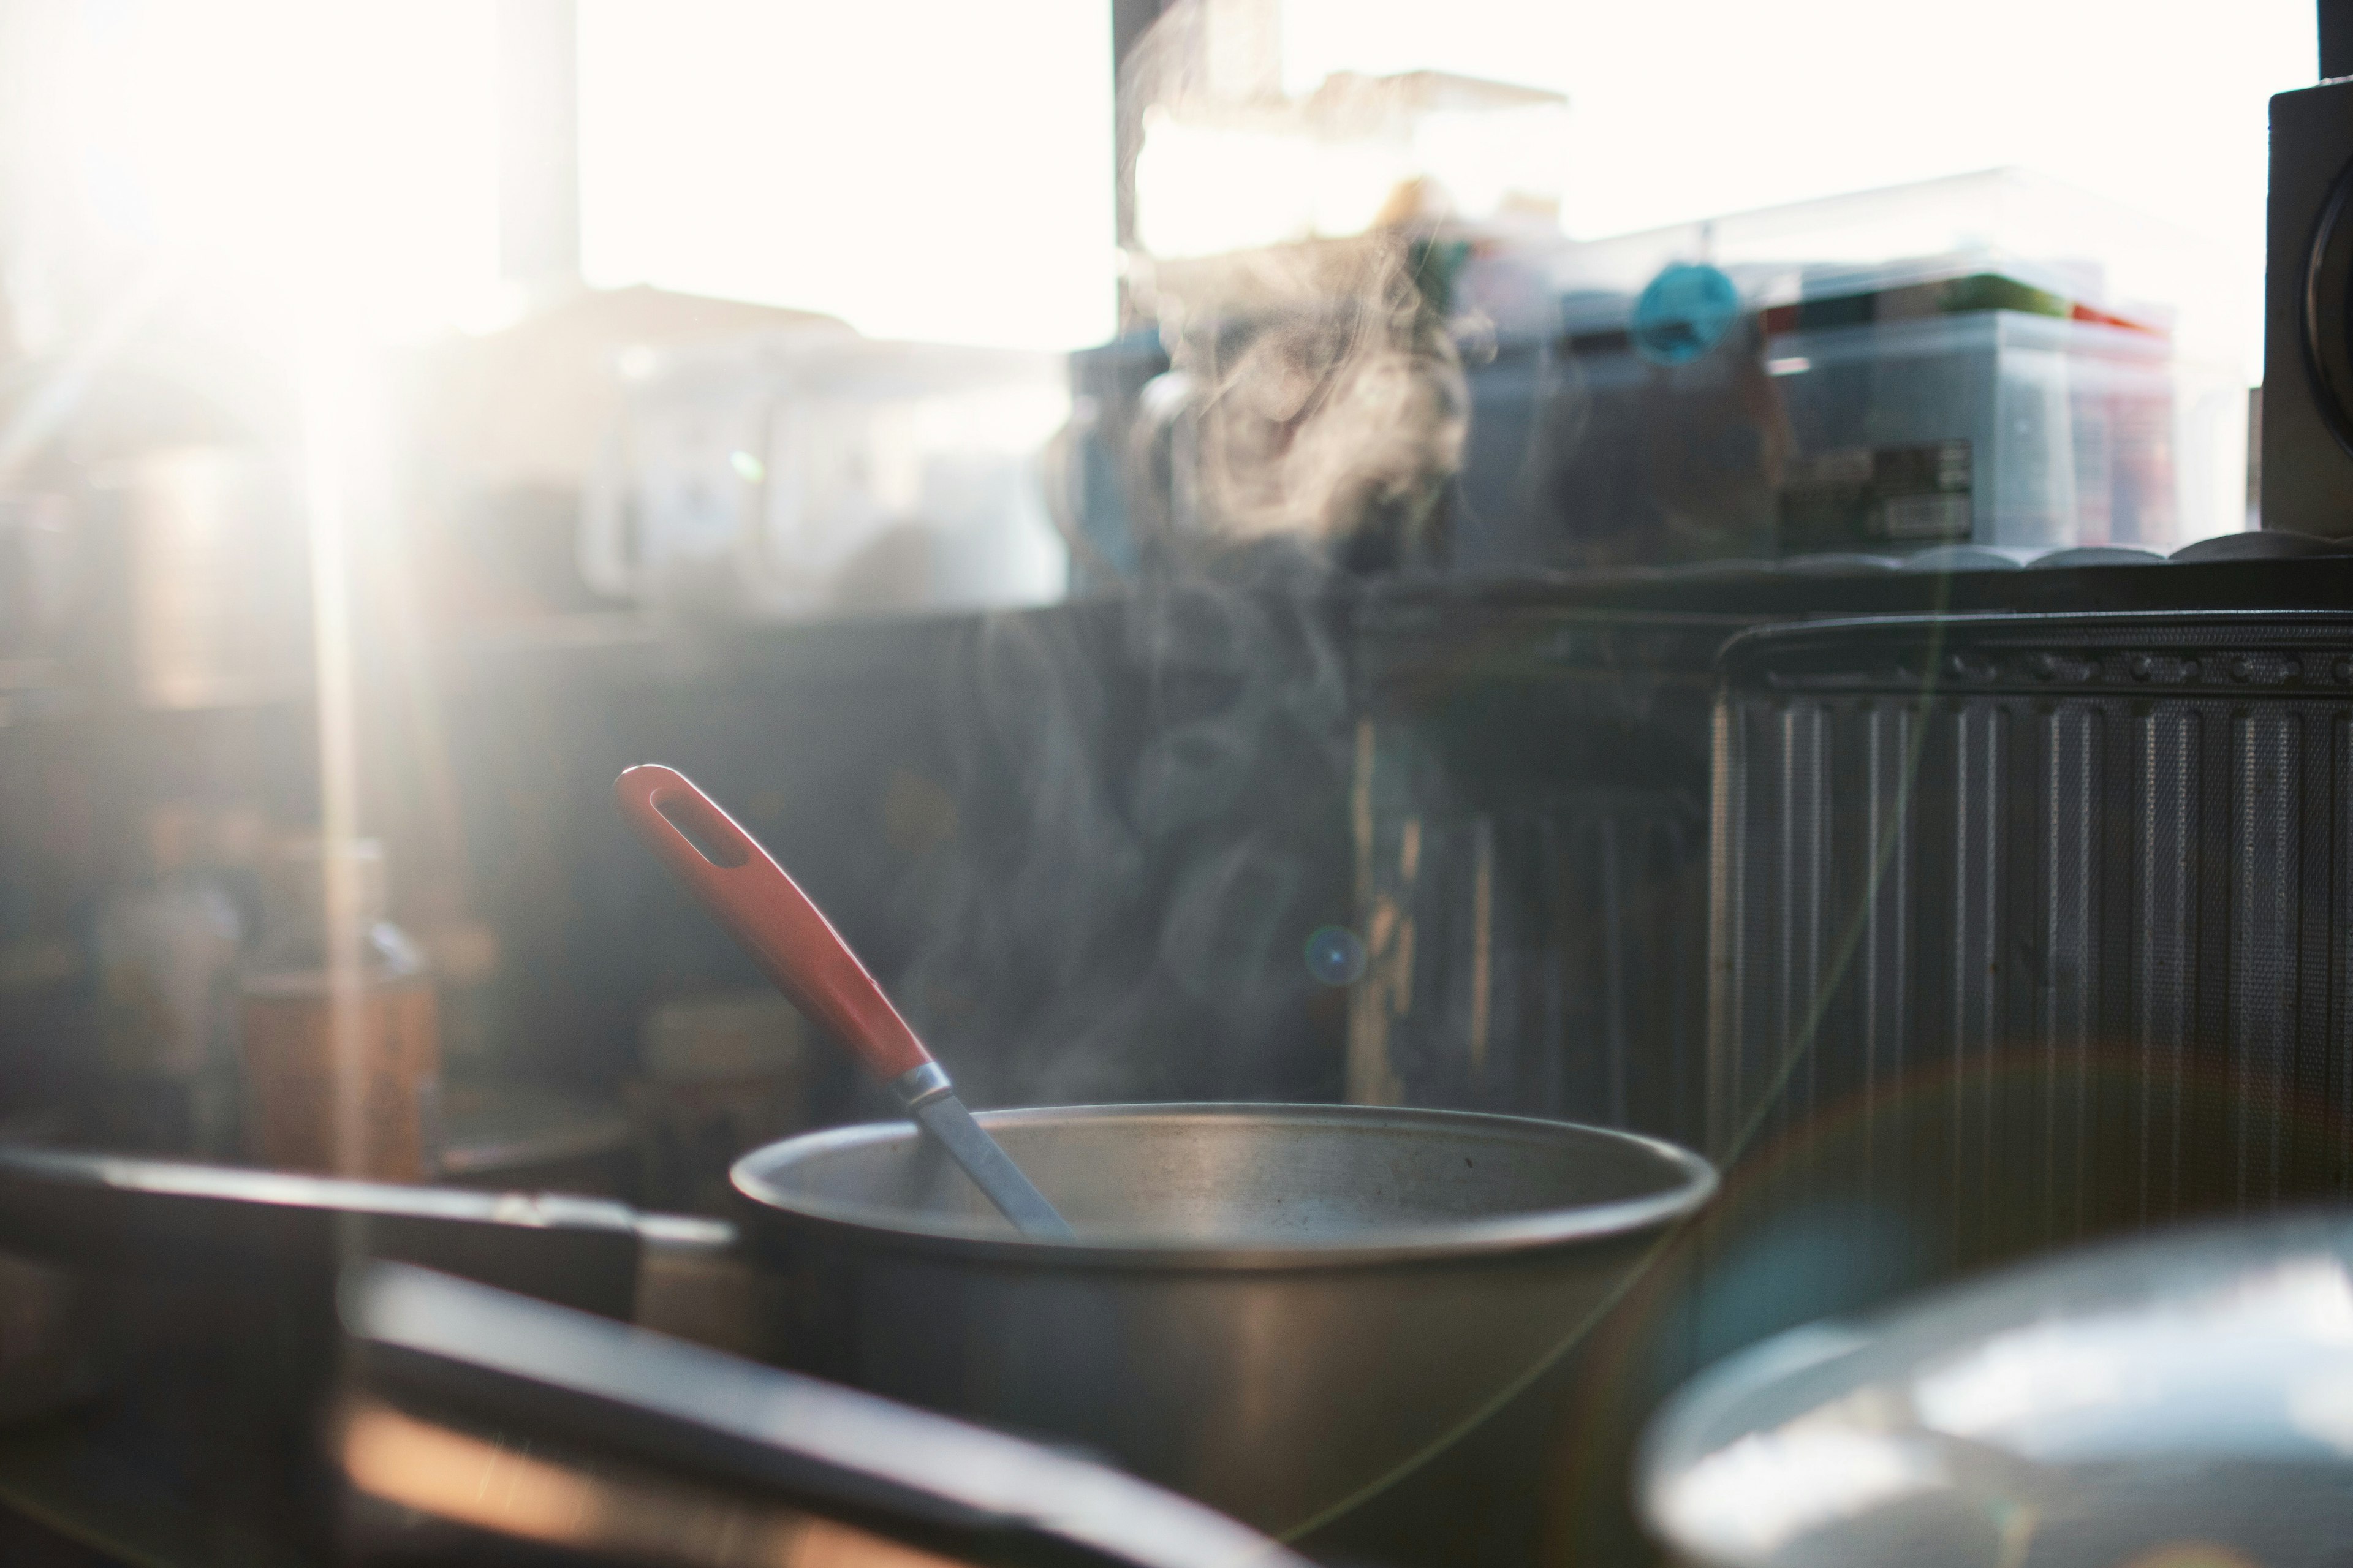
935 169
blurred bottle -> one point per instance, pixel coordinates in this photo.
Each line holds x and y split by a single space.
294 1117
167 960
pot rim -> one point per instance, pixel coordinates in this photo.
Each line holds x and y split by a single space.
1692 1180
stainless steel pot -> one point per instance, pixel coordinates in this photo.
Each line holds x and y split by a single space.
1272 1309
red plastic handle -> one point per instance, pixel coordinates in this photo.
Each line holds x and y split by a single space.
749 894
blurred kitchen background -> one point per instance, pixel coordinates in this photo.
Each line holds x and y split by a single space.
1200 532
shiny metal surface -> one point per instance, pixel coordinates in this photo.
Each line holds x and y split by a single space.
1271 1309
2181 1399
940 1113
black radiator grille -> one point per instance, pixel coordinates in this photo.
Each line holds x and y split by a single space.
2035 926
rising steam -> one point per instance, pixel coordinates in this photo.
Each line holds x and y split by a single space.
1315 391
1151 793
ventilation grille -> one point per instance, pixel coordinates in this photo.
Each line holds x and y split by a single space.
2033 926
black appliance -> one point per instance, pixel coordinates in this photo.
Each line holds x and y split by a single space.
2031 927
2307 397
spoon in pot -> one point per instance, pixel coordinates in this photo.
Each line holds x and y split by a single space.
794 946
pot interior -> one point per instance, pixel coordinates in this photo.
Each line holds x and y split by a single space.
1216 1177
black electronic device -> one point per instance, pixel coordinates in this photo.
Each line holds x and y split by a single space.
2307 407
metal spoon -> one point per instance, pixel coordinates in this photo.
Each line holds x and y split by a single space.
793 945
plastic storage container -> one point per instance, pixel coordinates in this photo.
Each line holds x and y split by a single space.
1992 359
2004 428
2065 242
816 473
1992 364
1999 427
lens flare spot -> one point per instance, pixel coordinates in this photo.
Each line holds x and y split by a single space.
747 467
1335 955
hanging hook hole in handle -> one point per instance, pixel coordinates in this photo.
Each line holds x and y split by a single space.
699 823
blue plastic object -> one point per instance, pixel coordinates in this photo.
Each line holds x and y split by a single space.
1685 312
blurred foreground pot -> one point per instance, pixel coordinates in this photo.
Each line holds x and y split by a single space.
2180 1398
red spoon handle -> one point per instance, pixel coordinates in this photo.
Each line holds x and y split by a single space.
747 892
